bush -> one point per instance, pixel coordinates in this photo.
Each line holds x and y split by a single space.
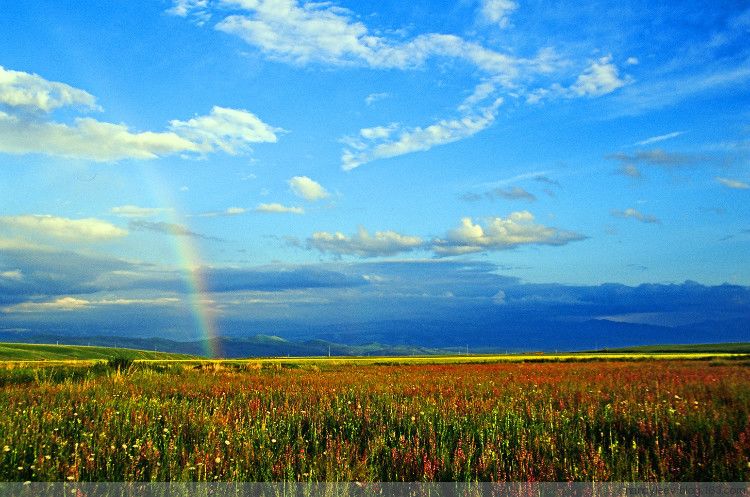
119 363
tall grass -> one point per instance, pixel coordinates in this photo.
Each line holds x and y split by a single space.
651 421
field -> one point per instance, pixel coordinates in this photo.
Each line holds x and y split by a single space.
380 420
44 352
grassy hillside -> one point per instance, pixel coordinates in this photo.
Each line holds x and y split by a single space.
727 348
38 352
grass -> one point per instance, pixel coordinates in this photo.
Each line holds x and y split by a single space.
44 352
248 421
728 348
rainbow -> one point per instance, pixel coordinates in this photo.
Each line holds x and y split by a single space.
191 267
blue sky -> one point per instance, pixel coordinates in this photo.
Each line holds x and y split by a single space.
561 144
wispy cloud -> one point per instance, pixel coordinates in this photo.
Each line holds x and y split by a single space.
15 275
397 141
631 213
514 193
76 230
674 88
135 211
274 208
375 97
28 128
59 304
733 183
546 180
306 188
67 304
228 212
323 33
171 229
363 244
658 157
601 77
659 138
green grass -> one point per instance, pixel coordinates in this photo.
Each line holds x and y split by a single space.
727 348
44 352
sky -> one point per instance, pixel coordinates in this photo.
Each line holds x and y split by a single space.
214 159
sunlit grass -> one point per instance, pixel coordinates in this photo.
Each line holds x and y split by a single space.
315 420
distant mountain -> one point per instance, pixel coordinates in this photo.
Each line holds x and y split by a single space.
488 333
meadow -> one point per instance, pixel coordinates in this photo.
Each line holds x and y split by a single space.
638 420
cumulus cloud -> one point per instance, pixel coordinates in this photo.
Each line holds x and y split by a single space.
229 130
600 78
378 143
363 244
497 11
27 126
306 188
135 211
275 208
659 138
87 139
31 92
631 213
733 183
78 230
500 233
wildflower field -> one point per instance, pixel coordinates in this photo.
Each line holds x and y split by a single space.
668 420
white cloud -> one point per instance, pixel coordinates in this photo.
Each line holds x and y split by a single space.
500 234
135 211
673 88
733 183
497 11
632 61
67 304
659 138
379 145
15 275
600 78
631 213
382 243
323 33
304 187
24 132
60 304
230 130
87 139
79 230
275 208
374 97
230 211
32 92
499 298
